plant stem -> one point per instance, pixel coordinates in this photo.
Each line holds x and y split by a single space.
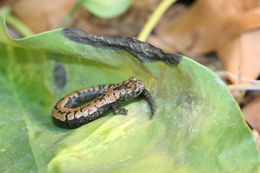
18 26
14 22
71 13
159 11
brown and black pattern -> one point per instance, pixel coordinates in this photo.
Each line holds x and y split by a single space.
69 113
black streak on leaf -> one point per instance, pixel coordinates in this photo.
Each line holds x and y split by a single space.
60 76
141 50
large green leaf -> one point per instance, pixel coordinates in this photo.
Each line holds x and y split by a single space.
198 126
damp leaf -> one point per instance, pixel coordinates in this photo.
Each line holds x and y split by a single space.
198 126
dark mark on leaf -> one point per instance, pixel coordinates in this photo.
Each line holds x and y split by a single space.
141 50
60 76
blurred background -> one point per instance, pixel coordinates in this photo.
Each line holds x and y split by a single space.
222 35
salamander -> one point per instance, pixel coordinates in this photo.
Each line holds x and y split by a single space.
71 112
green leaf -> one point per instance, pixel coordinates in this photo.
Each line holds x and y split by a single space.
198 126
108 8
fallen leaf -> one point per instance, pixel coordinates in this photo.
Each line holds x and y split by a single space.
240 56
42 15
252 114
216 26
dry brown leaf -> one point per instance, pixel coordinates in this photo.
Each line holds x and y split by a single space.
252 114
218 26
210 23
240 56
42 15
